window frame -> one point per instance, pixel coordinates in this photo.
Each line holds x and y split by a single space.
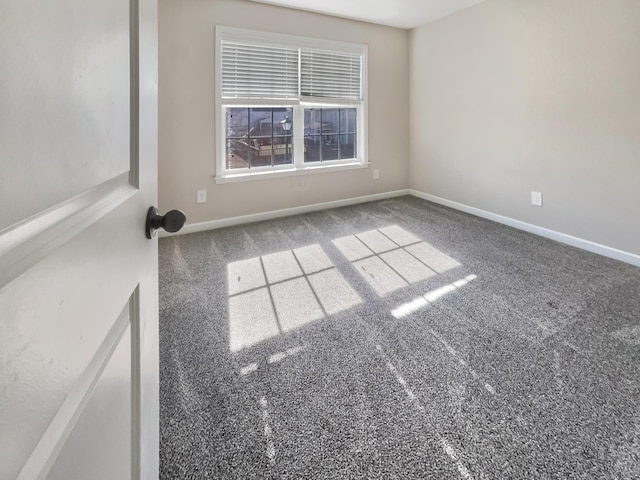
298 105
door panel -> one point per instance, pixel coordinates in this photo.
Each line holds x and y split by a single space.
70 90
78 278
103 456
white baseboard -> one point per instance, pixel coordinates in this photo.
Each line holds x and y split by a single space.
588 245
285 212
527 227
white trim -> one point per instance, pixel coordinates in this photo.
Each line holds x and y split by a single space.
290 172
287 40
285 212
587 245
583 244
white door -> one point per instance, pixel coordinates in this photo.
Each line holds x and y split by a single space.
78 277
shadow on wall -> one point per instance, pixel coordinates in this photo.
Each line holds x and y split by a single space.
280 292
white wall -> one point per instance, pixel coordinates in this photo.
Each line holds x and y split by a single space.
511 96
186 110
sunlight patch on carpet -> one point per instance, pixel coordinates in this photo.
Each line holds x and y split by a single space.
283 291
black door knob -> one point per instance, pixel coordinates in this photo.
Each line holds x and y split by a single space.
172 221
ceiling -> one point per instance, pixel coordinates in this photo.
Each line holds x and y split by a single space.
395 13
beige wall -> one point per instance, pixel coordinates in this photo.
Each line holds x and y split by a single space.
506 97
511 96
186 110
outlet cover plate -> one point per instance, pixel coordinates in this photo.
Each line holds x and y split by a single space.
536 199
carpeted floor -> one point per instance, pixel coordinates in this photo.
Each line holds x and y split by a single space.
395 340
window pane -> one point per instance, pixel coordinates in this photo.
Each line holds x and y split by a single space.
237 154
237 127
312 121
237 120
330 120
330 134
261 152
312 145
283 120
312 130
258 137
260 122
263 136
330 147
347 146
282 150
282 136
348 120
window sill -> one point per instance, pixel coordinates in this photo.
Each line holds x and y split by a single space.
245 177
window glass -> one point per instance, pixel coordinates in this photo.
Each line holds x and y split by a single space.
258 137
330 134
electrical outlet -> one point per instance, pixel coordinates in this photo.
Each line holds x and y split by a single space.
202 196
536 199
376 174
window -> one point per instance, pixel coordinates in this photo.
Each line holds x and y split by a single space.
288 104
258 137
330 134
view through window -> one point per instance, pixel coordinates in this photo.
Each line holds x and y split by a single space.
257 137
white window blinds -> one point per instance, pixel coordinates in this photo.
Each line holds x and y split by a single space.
330 74
251 68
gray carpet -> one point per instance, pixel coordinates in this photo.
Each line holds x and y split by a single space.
395 340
